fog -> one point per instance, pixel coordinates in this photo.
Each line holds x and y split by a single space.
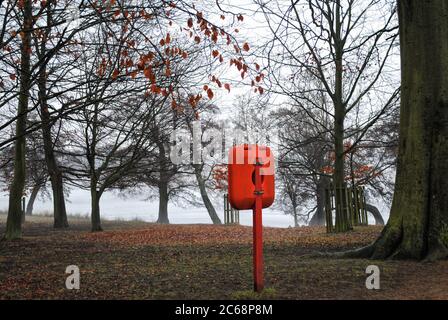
115 207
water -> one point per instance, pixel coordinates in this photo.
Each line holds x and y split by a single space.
115 207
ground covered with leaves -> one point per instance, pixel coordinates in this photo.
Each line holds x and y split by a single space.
136 260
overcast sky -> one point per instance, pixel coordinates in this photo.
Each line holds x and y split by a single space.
253 30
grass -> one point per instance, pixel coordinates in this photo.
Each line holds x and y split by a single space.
136 260
266 294
70 216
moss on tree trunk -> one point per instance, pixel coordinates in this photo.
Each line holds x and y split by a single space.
418 224
318 218
60 213
14 221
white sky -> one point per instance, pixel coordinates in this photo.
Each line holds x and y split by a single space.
254 31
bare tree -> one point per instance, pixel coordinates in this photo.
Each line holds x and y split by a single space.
417 226
304 150
13 224
338 44
200 122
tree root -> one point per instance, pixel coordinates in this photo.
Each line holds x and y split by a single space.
361 253
438 252
387 246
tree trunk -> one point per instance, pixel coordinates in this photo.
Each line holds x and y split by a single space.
163 184
30 204
14 220
379 221
95 210
341 224
341 220
208 204
60 213
296 217
163 203
59 210
318 218
418 224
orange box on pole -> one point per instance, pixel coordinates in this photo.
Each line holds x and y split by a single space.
241 176
251 186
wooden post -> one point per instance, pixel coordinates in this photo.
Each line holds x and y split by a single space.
360 205
231 215
356 201
346 211
226 203
339 210
364 209
328 210
351 207
23 209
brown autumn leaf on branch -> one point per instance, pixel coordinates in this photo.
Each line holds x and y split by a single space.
115 74
210 94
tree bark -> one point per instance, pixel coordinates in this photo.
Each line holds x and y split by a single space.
95 210
318 218
341 220
14 220
208 204
379 221
60 213
33 196
296 217
418 224
163 185
163 203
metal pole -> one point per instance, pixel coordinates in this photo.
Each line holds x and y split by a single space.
258 231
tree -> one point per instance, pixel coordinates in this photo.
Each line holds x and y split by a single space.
203 118
115 136
14 221
332 41
28 25
418 223
164 180
37 174
164 173
41 43
140 41
305 144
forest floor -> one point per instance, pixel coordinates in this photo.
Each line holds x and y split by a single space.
137 260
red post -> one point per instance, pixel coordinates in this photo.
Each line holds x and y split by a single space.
258 231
